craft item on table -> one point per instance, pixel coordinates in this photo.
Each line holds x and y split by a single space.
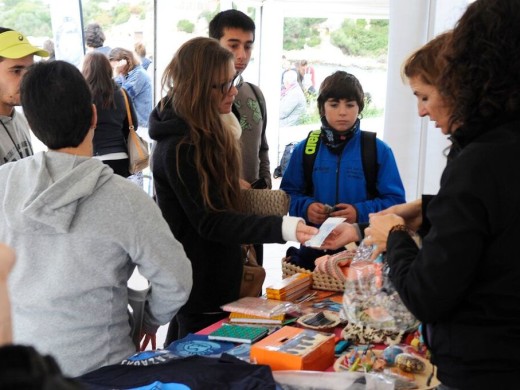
371 300
241 351
242 318
341 346
364 358
409 363
359 333
322 321
391 352
192 344
335 265
307 297
328 304
293 348
325 229
290 288
238 333
261 307
196 344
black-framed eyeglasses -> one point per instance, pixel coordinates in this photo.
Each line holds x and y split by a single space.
236 82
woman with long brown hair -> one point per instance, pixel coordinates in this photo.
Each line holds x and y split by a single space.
112 124
196 168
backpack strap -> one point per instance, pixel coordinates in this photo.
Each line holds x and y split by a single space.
312 144
369 159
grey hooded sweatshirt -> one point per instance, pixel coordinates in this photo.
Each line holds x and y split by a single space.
79 231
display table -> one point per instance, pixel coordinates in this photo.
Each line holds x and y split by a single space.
424 381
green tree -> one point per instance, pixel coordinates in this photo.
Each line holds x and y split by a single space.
298 32
186 26
362 38
30 17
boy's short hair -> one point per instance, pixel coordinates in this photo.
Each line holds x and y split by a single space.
341 85
57 103
230 18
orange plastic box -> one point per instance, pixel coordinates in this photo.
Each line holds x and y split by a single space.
293 348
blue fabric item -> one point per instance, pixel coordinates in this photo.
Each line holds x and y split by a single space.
162 386
340 179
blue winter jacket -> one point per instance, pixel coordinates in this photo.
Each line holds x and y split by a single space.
340 179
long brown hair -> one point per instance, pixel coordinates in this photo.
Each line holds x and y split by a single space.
98 73
189 81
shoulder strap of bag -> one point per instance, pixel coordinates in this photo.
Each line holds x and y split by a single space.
132 135
368 157
128 113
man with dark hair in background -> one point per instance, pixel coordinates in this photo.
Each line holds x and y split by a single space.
95 39
236 32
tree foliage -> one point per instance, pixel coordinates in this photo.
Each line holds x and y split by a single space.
301 32
185 25
31 17
362 38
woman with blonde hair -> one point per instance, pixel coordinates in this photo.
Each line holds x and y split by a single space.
196 168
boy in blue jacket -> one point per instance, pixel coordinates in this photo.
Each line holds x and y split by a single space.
337 185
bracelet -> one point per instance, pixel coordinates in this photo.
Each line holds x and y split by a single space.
399 228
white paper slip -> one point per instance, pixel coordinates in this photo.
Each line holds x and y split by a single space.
328 226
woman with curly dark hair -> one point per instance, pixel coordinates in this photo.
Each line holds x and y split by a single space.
463 282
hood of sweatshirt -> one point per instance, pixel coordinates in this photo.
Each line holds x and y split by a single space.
165 123
43 192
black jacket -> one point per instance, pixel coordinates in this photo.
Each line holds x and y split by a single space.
211 239
463 283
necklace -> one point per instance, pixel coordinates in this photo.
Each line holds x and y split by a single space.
12 140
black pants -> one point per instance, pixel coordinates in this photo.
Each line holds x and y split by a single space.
184 323
259 250
120 167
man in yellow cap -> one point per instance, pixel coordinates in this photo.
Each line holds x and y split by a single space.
16 55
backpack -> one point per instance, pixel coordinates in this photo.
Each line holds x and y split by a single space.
368 157
287 152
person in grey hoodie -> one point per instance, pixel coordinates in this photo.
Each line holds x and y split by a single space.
79 231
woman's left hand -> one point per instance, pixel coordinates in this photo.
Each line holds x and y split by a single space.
377 232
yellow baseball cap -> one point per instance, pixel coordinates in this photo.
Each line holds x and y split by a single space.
15 45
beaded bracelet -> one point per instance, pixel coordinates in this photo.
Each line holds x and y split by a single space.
411 233
399 228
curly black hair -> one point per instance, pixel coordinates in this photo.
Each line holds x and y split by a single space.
482 77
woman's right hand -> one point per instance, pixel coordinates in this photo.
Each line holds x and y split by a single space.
305 232
343 234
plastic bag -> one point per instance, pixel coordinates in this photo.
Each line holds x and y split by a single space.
370 298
